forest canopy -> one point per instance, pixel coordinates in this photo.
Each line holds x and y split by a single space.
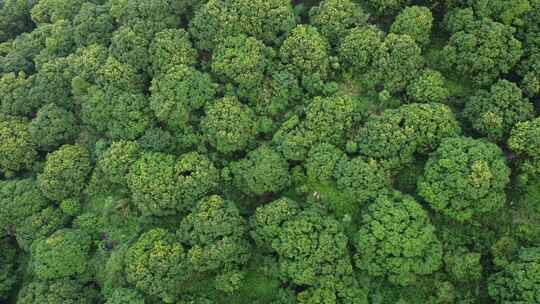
269 151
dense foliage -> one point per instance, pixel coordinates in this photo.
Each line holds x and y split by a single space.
269 151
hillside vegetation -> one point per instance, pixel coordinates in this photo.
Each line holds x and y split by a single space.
269 151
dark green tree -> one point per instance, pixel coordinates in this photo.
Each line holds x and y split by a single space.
397 241
509 13
111 74
529 69
525 138
431 123
170 48
312 251
164 185
156 264
15 18
359 49
334 18
130 48
215 234
242 61
322 161
52 127
266 20
105 72
398 63
87 61
179 93
396 135
152 182
519 281
267 220
229 126
388 7
70 206
281 91
463 266
328 119
117 113
464 178
460 19
493 113
65 172
63 254
66 291
306 50
20 199
293 139
39 226
8 267
161 140
19 53
52 84
125 296
428 87
14 91
525 142
415 21
262 171
148 17
363 180
59 42
92 24
51 11
17 150
384 140
116 161
483 51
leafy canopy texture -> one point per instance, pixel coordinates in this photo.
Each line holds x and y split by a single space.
61 255
519 281
162 184
415 21
311 248
396 240
156 264
262 171
229 125
483 50
67 291
465 177
216 235
65 172
264 20
269 151
17 150
395 136
334 18
494 113
177 93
